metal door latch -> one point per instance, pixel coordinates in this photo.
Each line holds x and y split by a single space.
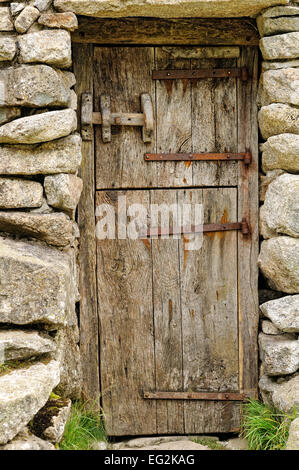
107 119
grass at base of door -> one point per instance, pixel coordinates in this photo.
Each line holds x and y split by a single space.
264 427
84 428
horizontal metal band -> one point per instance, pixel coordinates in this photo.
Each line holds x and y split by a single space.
159 231
200 73
246 157
213 396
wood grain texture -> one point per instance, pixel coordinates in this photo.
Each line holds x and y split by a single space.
126 325
89 343
174 320
151 31
168 322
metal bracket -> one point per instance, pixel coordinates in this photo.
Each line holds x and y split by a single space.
246 157
107 119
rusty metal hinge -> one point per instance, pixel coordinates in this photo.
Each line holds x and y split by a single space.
243 227
241 73
107 119
214 396
245 157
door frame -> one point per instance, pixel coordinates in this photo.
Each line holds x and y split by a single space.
248 207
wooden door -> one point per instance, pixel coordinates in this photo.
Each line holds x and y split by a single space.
178 328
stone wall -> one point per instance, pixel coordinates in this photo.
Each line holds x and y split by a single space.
279 214
40 155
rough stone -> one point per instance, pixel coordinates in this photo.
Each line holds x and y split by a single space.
55 229
65 20
281 152
8 48
19 345
279 262
279 86
69 77
277 119
25 440
6 23
280 65
265 180
37 285
283 312
8 114
282 46
279 214
50 421
39 127
63 191
26 18
293 439
58 156
167 8
17 7
279 354
281 11
34 86
269 329
268 26
16 193
23 393
283 395
68 357
51 47
266 294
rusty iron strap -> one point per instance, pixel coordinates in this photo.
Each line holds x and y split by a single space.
201 73
160 231
246 157
215 396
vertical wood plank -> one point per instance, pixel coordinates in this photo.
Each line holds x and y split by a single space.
168 323
124 73
126 324
89 344
248 207
209 312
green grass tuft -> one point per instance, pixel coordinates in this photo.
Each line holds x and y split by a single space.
264 427
84 428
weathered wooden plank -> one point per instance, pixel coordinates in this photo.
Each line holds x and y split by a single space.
124 271
248 207
124 74
214 129
168 322
209 309
173 122
156 31
83 63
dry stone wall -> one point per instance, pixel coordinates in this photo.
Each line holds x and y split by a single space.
279 214
40 155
